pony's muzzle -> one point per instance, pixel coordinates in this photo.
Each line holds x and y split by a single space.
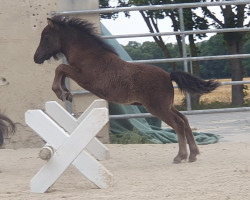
38 59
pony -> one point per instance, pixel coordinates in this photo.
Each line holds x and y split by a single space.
95 66
6 127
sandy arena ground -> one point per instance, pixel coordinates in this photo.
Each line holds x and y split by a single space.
140 172
146 171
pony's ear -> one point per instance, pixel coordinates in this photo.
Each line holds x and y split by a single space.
50 23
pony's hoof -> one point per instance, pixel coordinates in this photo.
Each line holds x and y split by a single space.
69 97
193 154
175 161
62 97
192 158
179 158
66 96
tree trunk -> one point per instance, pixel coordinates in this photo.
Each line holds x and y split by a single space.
158 39
196 69
235 47
234 42
165 51
176 27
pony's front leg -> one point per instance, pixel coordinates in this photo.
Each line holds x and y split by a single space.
66 93
58 85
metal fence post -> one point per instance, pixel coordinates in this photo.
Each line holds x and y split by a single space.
184 53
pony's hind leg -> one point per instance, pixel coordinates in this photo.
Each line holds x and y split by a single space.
177 123
170 117
194 150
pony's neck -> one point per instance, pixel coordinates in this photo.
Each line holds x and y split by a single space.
74 43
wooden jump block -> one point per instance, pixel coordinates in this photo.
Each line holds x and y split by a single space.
69 149
69 123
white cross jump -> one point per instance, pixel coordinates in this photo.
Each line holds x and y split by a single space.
73 141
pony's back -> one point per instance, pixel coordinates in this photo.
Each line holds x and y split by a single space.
6 127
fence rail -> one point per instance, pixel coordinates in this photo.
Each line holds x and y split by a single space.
151 7
185 59
224 30
193 112
220 57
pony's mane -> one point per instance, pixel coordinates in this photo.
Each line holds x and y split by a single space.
85 27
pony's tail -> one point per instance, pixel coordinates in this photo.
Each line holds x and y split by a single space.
192 84
6 127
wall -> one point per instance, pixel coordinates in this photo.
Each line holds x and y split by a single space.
21 23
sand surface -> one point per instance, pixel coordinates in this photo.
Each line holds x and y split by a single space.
139 172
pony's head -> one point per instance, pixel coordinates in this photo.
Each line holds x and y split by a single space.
61 29
49 44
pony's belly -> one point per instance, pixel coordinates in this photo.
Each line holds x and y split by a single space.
120 99
116 93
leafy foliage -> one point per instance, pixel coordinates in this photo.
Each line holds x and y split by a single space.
150 50
209 68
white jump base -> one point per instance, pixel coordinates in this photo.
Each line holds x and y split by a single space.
70 141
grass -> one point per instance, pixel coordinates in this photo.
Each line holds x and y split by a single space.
130 137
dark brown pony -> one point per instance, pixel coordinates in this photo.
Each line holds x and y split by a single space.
96 67
6 127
